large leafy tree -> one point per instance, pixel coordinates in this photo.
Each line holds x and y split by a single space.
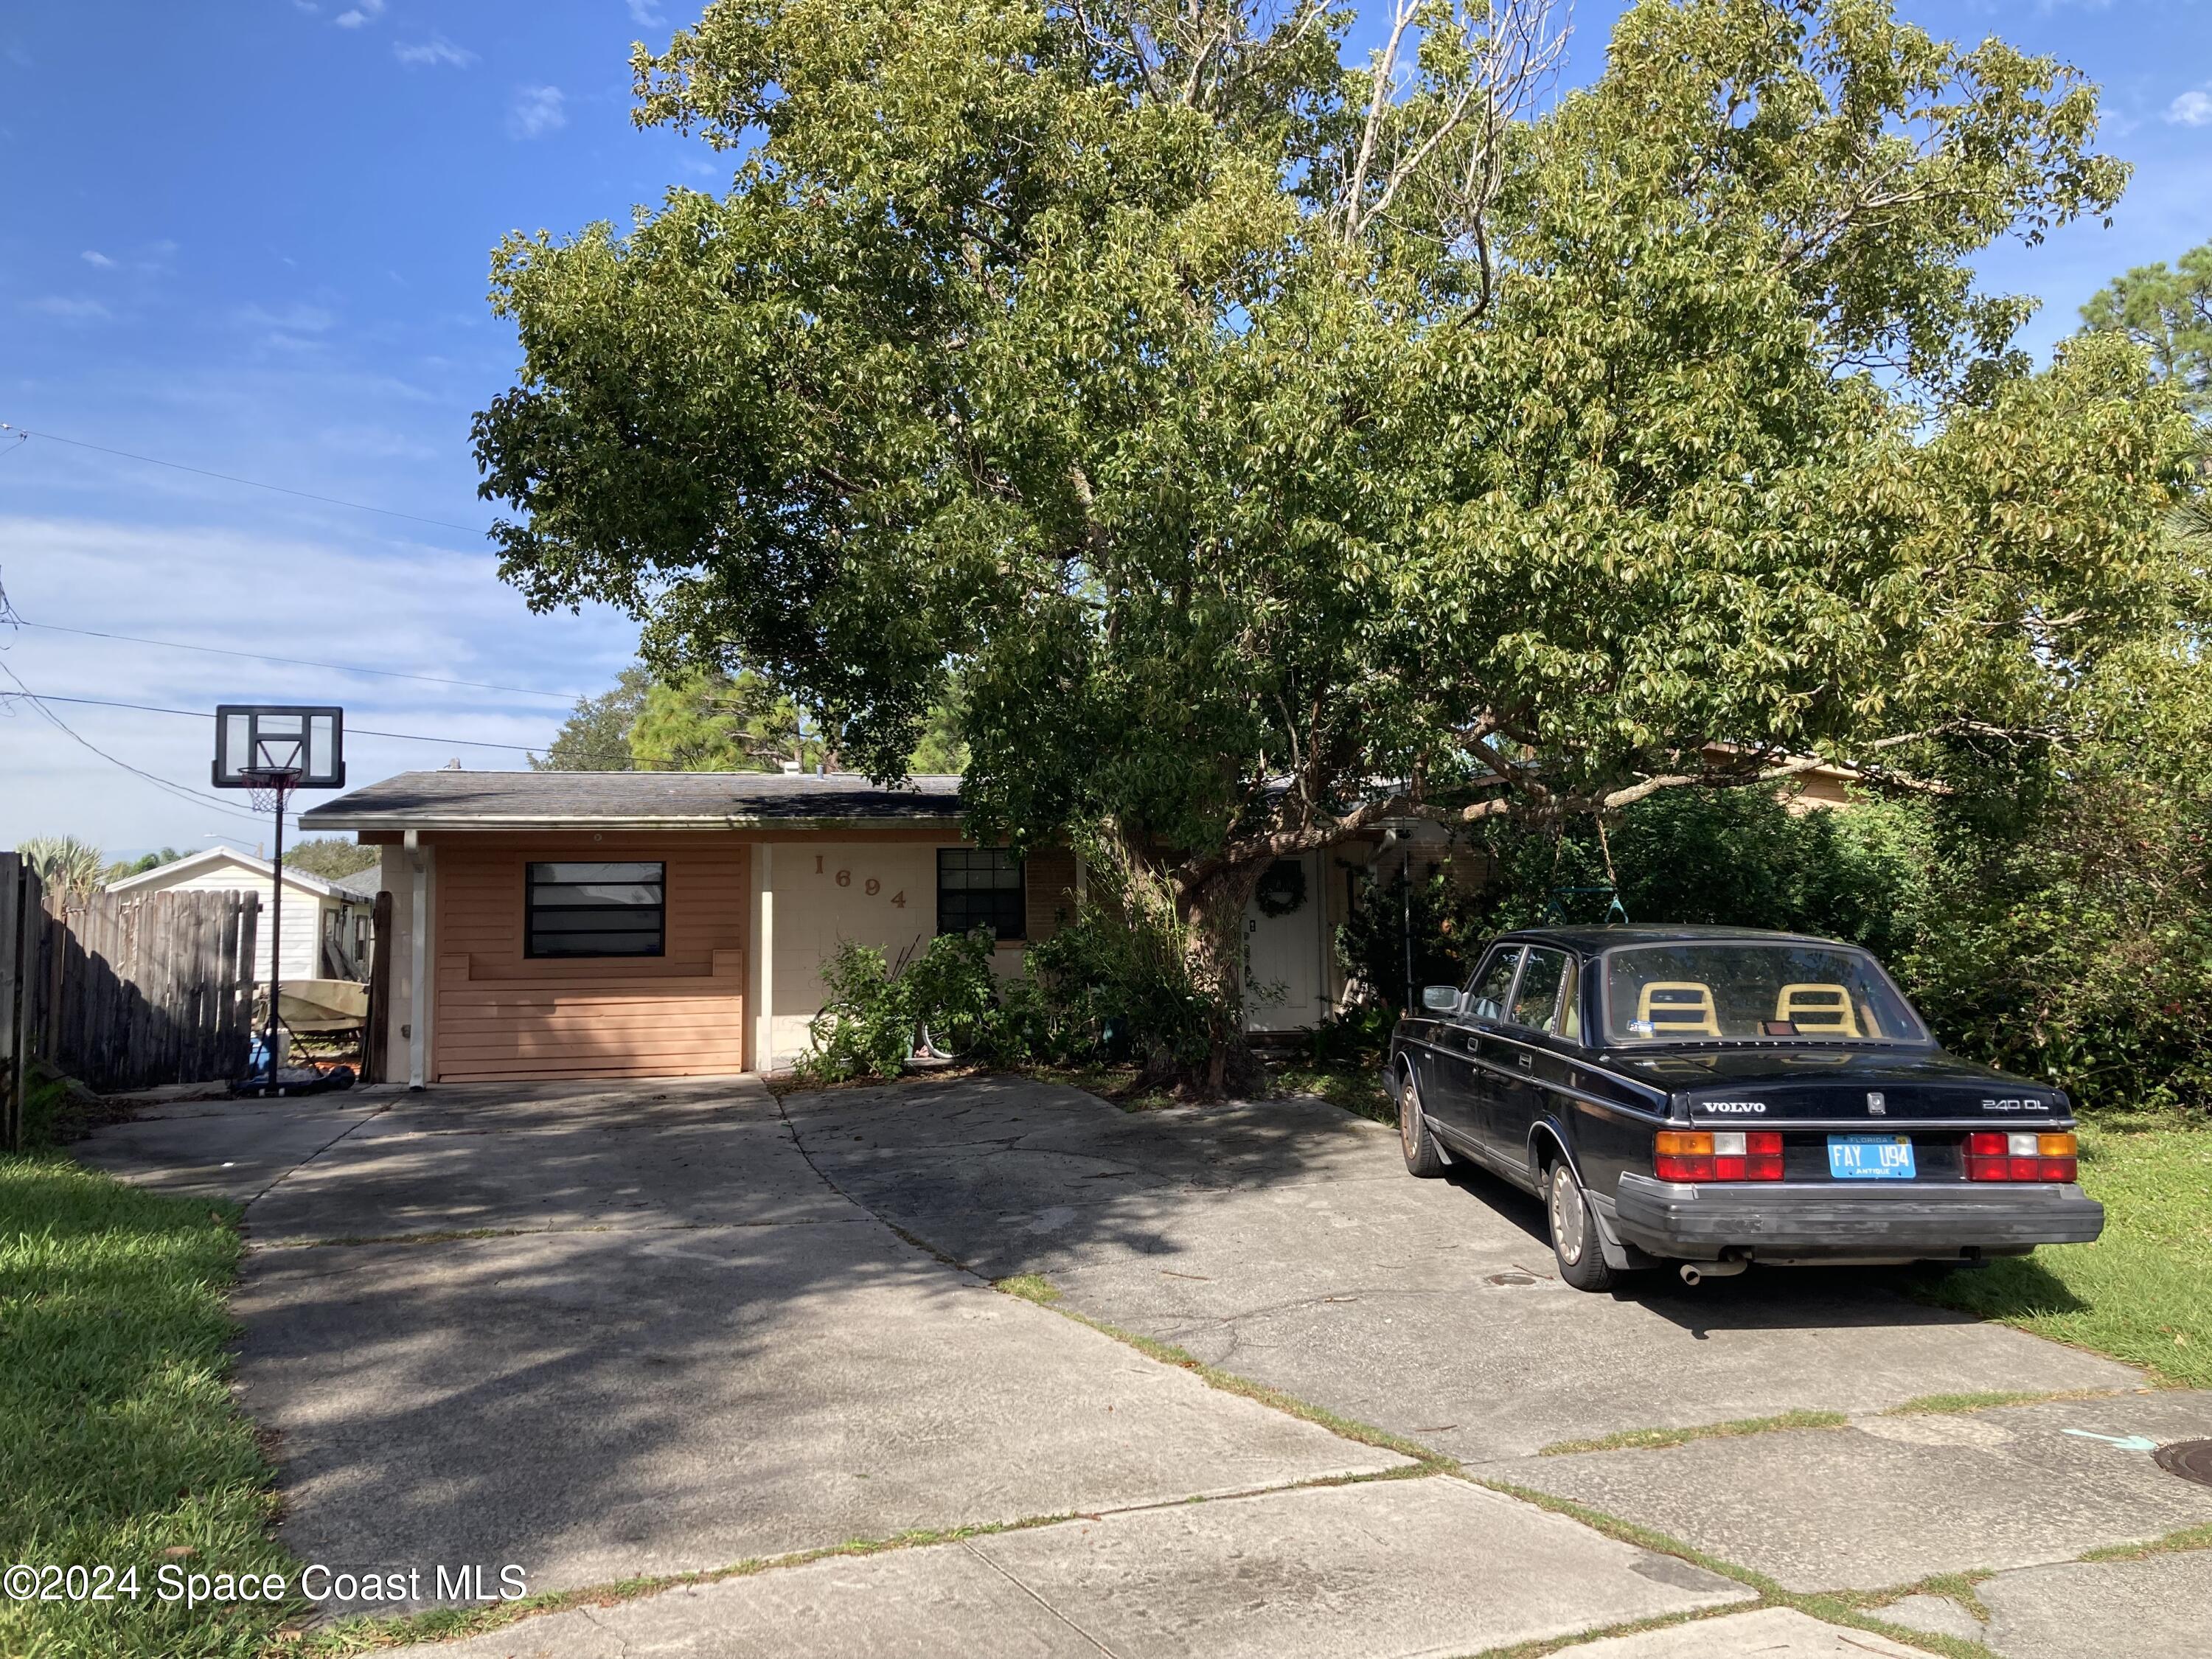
1273 447
708 721
595 738
2167 310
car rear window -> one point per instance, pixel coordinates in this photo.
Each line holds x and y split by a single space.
1754 991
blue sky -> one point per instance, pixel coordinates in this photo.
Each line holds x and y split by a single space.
252 236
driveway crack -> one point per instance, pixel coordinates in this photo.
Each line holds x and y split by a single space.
1033 1595
622 1642
368 1116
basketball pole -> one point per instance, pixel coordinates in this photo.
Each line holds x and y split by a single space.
276 943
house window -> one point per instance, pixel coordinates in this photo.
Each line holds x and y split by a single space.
596 909
979 887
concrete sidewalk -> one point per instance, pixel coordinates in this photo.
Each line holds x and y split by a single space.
1380 1569
1891 1500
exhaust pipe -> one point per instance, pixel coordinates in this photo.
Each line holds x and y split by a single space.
1696 1272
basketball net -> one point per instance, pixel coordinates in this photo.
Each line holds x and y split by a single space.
266 791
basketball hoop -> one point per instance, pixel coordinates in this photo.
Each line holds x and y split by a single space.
266 791
269 753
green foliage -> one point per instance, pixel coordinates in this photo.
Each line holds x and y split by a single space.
1743 859
875 1013
1219 415
708 721
595 738
331 856
1449 924
2054 919
941 748
2167 311
2069 933
1097 989
123 1443
867 1026
1108 987
122 869
65 864
955 996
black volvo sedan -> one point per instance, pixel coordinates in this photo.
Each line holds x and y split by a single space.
1716 1097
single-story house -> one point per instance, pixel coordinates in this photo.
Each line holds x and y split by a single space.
326 923
638 924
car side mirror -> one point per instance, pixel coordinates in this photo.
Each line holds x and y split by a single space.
1443 999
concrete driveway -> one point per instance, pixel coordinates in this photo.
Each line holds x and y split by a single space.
607 1331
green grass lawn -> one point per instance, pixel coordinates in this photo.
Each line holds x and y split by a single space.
119 1442
2142 1294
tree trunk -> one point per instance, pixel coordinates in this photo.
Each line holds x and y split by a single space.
1214 914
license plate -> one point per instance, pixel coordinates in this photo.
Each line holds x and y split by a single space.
1870 1158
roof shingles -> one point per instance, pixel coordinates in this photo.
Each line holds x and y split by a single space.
635 800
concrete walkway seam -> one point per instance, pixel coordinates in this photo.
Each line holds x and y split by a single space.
368 1116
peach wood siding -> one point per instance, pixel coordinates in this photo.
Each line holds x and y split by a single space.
502 1015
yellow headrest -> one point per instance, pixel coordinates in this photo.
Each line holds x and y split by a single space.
1678 1007
1817 1007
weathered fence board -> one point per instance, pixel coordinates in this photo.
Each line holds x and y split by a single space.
13 1008
122 991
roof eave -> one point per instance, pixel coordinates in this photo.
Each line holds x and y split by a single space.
360 821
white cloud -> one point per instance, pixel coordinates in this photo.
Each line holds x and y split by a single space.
291 319
2192 109
415 607
363 11
434 51
68 309
97 260
537 111
644 13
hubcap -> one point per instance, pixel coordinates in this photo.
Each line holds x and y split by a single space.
1409 1116
1566 1215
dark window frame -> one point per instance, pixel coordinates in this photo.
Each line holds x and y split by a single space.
1007 912
530 912
1527 960
1519 953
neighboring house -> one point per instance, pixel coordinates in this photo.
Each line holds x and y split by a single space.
638 924
325 922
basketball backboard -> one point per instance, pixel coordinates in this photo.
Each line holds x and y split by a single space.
259 744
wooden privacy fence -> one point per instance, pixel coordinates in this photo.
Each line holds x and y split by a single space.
122 991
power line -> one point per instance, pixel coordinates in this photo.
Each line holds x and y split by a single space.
193 796
203 714
251 484
295 662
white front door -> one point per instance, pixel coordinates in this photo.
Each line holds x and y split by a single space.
1285 987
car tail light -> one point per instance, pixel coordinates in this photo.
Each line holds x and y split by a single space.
2018 1155
1718 1155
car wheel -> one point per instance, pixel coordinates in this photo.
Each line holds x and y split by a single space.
1415 1139
1574 1230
